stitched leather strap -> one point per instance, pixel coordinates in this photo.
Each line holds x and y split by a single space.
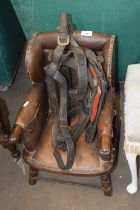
65 61
53 72
91 130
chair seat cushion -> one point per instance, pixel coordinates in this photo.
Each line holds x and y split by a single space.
87 159
132 103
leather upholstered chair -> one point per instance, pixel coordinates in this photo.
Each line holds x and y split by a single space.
34 125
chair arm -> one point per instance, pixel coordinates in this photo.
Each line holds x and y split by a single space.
105 128
31 117
16 134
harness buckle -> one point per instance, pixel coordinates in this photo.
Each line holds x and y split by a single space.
63 42
64 126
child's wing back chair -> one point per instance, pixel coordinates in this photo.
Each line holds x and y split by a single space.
33 122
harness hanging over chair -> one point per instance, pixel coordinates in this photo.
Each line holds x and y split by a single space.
74 73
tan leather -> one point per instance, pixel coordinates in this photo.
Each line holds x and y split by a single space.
105 147
32 115
16 134
32 102
104 127
87 160
35 57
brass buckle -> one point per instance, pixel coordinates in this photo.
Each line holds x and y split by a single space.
63 126
63 43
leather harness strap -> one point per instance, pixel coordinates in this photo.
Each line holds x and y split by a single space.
81 65
53 72
68 58
93 63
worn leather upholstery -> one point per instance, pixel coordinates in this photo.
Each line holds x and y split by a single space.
30 120
87 159
90 159
48 40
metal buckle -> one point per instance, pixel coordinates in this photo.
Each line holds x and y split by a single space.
63 43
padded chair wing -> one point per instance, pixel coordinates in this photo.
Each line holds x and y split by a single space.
30 119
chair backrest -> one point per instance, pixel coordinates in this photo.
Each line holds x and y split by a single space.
35 52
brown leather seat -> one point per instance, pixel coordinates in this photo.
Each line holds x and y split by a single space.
87 159
34 125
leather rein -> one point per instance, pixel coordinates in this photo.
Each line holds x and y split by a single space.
69 58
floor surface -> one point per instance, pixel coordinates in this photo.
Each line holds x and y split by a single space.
16 194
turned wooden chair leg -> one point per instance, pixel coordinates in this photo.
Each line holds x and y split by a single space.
32 175
106 184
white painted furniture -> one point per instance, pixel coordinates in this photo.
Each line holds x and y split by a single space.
132 122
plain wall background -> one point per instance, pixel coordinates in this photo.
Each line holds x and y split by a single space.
118 17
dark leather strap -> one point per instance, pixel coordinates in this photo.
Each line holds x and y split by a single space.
81 66
53 72
51 89
91 129
64 62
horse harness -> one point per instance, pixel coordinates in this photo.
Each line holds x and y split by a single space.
74 74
